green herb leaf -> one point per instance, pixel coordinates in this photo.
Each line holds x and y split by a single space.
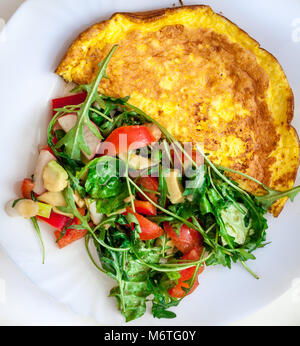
38 232
74 141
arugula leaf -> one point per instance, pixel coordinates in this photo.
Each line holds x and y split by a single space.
184 210
124 118
159 310
114 263
161 302
132 290
272 196
62 157
75 182
131 299
219 257
204 205
74 141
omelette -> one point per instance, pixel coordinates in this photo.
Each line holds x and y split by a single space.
205 80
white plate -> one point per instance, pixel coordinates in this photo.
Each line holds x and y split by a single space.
35 40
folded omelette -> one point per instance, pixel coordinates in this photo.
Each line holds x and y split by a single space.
205 80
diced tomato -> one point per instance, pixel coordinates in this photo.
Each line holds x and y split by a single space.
186 274
149 183
149 229
68 100
71 234
193 255
188 237
130 137
145 208
55 220
27 187
195 285
178 292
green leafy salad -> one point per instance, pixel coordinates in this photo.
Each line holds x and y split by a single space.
156 210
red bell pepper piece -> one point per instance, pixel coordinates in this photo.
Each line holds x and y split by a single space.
75 99
149 229
145 208
26 188
129 138
55 220
71 234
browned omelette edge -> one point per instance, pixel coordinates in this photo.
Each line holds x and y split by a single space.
153 15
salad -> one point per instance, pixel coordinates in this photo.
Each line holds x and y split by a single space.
156 210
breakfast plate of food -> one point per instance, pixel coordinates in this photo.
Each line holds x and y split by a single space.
153 149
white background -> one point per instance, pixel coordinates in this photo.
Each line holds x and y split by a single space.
22 303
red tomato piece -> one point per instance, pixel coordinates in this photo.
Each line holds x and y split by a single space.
75 99
27 187
195 285
188 237
130 137
178 292
186 274
145 208
193 255
149 183
149 229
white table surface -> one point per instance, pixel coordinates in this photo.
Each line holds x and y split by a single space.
22 303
